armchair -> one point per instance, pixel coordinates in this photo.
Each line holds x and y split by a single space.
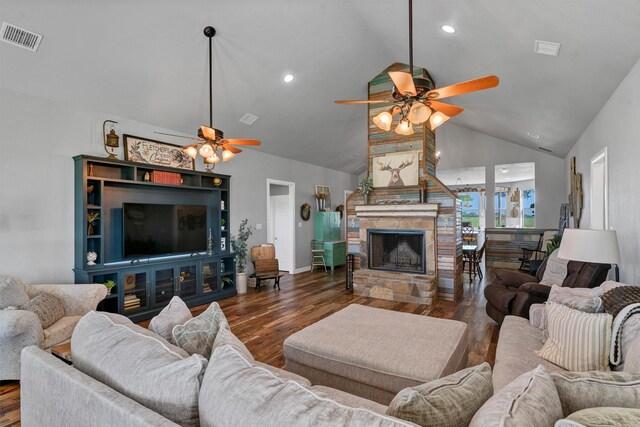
20 328
513 292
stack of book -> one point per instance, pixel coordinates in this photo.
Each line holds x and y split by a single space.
162 177
131 302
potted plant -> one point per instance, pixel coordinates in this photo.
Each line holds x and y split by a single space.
91 218
226 280
222 223
365 187
239 245
109 284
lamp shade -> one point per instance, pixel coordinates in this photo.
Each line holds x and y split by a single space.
598 246
227 155
191 152
404 127
383 120
419 113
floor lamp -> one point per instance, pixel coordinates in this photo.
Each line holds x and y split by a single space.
596 246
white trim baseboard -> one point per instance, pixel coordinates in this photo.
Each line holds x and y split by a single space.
302 269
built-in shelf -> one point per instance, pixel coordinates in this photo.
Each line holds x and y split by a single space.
103 185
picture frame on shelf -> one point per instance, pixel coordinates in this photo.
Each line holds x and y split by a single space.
223 243
152 152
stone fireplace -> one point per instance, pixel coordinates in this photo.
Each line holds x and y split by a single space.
397 253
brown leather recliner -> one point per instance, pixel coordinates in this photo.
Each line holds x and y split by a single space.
513 292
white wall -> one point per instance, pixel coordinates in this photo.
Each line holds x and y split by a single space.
38 139
461 147
617 127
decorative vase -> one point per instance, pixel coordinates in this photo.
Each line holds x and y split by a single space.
90 229
241 283
366 198
91 258
209 243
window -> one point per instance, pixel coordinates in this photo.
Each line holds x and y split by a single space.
529 208
470 208
515 195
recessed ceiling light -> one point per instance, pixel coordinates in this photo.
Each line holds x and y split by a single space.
448 29
288 78
504 170
533 135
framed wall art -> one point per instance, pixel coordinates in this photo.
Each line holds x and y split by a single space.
396 169
143 150
326 191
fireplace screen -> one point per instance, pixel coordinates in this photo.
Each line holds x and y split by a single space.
395 250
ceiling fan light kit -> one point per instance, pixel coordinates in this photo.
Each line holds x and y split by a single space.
414 98
211 144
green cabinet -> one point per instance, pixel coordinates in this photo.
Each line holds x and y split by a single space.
327 226
327 233
335 253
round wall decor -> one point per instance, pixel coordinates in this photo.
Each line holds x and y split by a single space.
305 212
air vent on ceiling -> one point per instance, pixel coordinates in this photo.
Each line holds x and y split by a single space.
20 37
546 48
545 149
248 119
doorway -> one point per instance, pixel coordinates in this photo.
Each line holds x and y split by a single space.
599 192
281 221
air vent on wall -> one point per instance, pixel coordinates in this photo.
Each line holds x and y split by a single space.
546 150
248 119
20 37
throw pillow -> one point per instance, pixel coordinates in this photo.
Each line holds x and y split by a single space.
226 337
531 400
618 298
12 292
140 365
581 390
601 417
197 335
175 313
446 402
583 299
47 307
556 270
577 341
237 393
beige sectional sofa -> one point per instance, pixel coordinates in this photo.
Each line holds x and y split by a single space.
518 342
235 391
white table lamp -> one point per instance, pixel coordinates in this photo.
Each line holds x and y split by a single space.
596 246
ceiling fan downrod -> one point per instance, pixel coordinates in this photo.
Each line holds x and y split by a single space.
209 31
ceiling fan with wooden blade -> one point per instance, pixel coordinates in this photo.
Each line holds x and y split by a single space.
414 98
211 144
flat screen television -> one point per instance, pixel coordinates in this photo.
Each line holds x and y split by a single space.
155 229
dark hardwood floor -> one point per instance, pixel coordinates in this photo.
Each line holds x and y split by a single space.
264 319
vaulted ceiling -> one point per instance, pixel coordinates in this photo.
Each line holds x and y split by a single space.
147 60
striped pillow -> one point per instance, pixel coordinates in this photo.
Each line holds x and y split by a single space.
577 341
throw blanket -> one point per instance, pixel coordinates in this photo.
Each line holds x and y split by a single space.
615 356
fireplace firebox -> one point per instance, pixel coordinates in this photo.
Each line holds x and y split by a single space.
397 250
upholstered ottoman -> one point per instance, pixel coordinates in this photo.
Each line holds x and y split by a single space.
374 353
